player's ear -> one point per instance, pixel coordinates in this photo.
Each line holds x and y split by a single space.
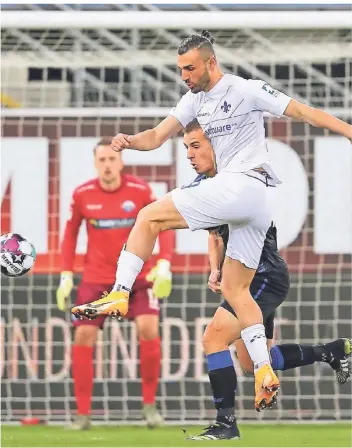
212 61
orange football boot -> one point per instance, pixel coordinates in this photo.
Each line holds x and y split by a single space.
113 304
267 385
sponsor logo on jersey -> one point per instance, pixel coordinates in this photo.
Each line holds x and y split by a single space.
94 206
118 223
270 90
128 206
226 107
218 129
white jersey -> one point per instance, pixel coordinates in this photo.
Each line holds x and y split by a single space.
231 115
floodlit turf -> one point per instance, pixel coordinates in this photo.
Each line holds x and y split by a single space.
329 435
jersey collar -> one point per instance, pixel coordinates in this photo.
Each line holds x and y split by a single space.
123 181
217 91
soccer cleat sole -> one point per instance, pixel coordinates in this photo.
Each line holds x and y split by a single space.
213 437
265 404
210 438
91 311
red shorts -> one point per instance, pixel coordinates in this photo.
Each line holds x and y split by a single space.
141 302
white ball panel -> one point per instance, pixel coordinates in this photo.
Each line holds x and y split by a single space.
28 262
25 247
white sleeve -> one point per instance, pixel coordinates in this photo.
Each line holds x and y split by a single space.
266 98
184 110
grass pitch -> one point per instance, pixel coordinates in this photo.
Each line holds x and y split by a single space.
322 435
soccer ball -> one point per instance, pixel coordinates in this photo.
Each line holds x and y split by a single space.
17 255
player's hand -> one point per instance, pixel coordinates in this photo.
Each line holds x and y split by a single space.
121 142
161 277
214 281
64 290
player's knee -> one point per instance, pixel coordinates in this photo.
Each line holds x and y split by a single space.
214 338
144 215
148 217
148 327
86 335
148 334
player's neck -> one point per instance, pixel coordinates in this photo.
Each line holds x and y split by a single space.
110 186
210 173
215 79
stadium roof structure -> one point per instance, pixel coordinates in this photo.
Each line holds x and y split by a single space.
134 41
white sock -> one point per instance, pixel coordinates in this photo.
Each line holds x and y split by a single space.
255 341
129 266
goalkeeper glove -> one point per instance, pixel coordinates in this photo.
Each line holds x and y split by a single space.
64 290
161 277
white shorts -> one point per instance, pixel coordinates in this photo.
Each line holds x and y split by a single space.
236 199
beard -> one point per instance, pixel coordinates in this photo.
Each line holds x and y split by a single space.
202 83
108 180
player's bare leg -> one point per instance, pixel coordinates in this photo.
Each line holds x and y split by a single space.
221 331
83 372
217 338
150 359
154 218
235 285
224 329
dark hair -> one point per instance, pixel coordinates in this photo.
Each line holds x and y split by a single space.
104 141
192 126
203 40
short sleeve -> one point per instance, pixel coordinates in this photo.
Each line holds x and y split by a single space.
266 98
184 109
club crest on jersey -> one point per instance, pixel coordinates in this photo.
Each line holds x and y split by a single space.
226 107
128 206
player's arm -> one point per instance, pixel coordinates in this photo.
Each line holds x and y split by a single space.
317 118
68 251
150 139
216 252
154 138
268 99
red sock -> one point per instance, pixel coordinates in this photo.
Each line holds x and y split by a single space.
150 358
83 373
